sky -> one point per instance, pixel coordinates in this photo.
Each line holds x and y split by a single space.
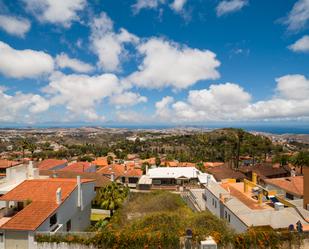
173 62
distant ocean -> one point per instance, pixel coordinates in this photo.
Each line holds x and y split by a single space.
274 129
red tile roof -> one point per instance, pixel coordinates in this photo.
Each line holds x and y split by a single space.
42 194
293 185
212 164
50 163
100 161
120 170
4 163
78 167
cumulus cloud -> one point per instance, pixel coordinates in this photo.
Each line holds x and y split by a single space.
130 117
229 6
54 11
299 15
24 63
230 102
64 61
301 45
178 5
170 64
17 107
109 45
127 99
14 25
146 4
81 93
294 86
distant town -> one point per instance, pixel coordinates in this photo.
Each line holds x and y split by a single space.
214 187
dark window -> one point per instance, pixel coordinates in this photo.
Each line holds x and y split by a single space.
289 196
229 217
69 225
53 220
225 214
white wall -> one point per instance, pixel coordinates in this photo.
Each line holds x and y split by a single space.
80 219
212 203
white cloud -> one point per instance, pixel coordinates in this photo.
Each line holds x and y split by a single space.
127 99
24 63
55 11
298 16
64 61
146 4
14 25
170 64
230 102
229 6
131 117
109 45
178 5
301 45
17 107
82 93
294 86
163 108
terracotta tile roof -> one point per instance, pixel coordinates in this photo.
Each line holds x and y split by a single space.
212 164
186 164
101 161
294 185
120 170
225 172
100 180
4 163
42 193
151 161
171 164
50 164
78 167
265 170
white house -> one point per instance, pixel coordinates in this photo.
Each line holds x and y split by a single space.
44 205
177 175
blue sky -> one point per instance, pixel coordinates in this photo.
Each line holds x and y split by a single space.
154 62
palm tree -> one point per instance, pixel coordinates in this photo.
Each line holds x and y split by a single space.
111 197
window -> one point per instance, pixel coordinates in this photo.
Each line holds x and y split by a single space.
1 237
225 214
215 204
289 196
69 226
53 220
229 217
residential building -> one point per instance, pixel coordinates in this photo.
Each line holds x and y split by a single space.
246 204
52 164
174 175
100 180
122 174
291 188
80 167
44 205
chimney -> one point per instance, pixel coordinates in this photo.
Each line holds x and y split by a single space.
146 169
208 180
293 172
306 187
79 193
30 170
58 196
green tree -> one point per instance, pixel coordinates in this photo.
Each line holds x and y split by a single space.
301 159
158 161
111 197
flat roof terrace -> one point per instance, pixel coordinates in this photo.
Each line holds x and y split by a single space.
237 191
